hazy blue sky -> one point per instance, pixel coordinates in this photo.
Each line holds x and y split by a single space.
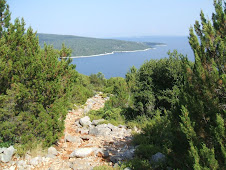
111 18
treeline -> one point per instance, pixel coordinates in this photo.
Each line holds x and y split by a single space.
180 105
84 46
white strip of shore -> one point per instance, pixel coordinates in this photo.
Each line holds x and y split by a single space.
163 45
111 53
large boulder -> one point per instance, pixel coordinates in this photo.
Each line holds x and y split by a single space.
112 127
85 121
82 152
102 126
6 154
100 131
118 132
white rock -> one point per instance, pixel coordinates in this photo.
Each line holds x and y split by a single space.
100 131
82 152
127 168
27 157
69 138
6 154
35 161
85 121
52 151
102 126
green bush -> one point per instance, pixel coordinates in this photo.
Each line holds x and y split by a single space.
36 87
199 120
82 89
156 84
98 81
190 130
112 115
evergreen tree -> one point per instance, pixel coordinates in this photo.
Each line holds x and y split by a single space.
5 16
35 86
156 84
203 96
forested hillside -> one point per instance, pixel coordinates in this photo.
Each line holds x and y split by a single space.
83 46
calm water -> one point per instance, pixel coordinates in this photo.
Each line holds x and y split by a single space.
118 64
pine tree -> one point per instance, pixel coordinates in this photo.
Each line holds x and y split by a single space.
35 86
204 94
5 16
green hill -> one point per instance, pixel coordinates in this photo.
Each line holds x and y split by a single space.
84 46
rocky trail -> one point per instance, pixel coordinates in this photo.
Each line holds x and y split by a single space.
85 144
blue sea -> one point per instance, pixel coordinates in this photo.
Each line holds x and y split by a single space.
118 64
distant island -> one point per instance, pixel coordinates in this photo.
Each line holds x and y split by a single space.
85 46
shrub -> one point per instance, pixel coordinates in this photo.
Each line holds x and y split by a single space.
156 84
36 87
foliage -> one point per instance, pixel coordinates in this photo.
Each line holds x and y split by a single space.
183 102
203 95
119 88
156 84
111 115
82 90
36 87
5 16
98 81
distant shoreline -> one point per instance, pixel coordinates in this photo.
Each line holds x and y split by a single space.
110 53
161 45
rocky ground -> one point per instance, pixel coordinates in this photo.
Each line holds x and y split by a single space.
85 144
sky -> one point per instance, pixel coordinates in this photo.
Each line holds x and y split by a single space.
111 18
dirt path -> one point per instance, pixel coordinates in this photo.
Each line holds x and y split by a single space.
105 148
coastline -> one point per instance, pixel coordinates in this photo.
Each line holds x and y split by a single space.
161 45
110 53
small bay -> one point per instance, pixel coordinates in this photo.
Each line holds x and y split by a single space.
118 64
